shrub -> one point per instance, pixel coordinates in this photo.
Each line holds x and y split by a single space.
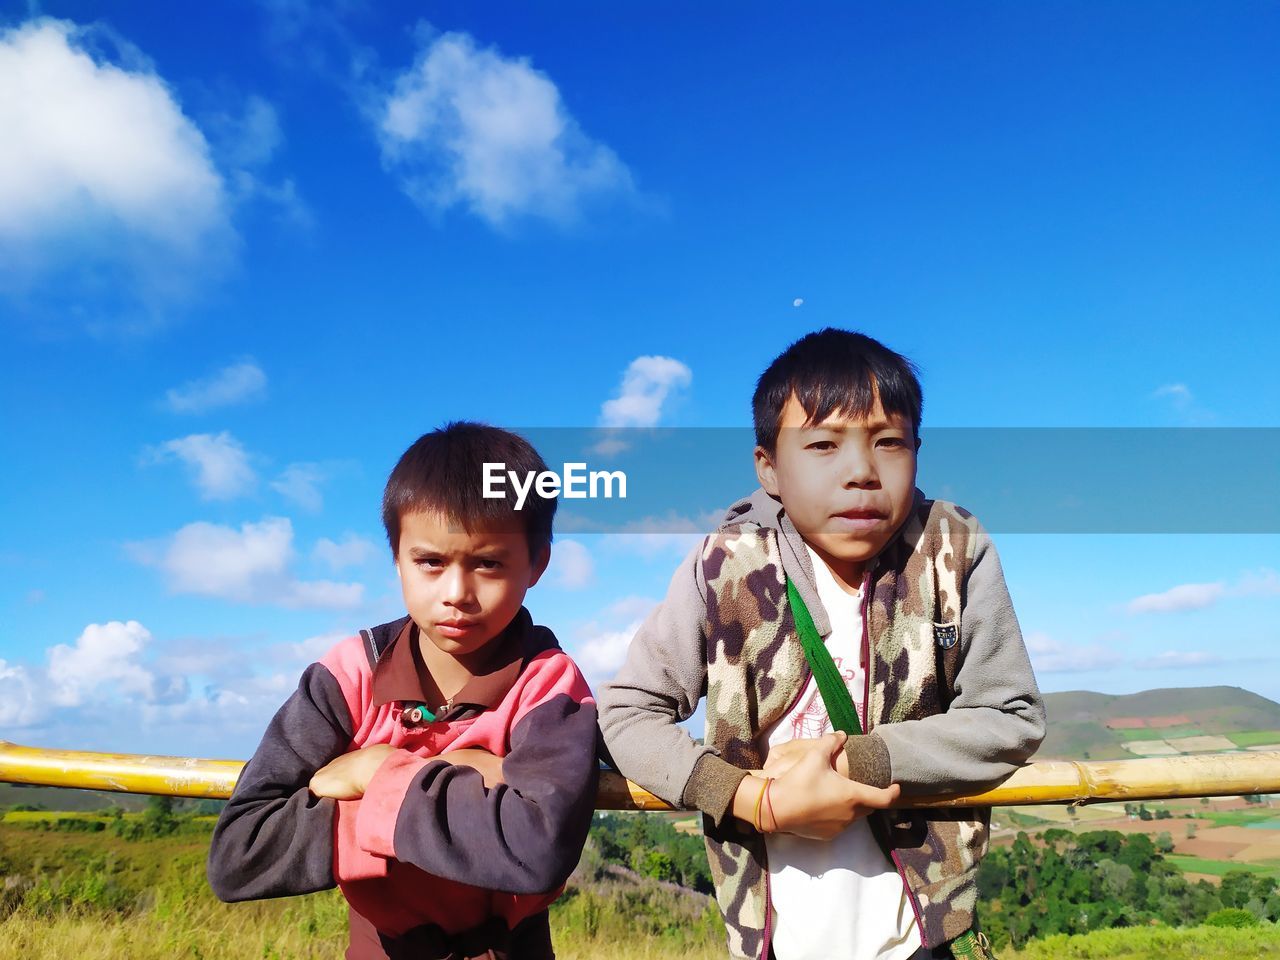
1236 917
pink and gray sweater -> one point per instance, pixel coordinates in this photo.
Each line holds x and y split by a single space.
432 863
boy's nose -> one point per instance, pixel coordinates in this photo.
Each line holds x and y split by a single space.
860 471
456 587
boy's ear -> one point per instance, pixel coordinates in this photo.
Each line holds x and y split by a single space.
540 565
765 473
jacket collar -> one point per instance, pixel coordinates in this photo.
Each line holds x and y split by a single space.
766 511
400 671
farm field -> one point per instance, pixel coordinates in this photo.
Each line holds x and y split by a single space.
1209 840
1256 739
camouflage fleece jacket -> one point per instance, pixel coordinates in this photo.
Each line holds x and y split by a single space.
951 702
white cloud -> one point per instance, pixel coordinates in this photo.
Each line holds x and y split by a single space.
1187 596
647 385
1052 656
218 463
299 655
300 483
602 642
352 551
237 383
1200 596
798 302
571 565
101 171
600 656
103 658
468 126
18 704
249 565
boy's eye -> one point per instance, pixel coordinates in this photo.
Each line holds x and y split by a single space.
433 563
891 442
821 445
486 564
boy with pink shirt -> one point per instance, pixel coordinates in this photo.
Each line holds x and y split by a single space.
441 768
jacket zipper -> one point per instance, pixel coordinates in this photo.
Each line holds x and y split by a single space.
866 728
767 940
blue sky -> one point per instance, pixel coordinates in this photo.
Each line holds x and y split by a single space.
249 253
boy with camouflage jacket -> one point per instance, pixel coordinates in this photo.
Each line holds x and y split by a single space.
810 852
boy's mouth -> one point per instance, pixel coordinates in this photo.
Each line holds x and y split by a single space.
857 519
454 629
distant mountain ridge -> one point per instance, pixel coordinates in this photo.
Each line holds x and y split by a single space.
1078 718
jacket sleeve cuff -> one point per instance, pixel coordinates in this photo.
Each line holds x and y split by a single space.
711 786
350 861
869 760
383 797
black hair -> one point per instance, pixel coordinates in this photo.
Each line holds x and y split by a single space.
443 473
835 371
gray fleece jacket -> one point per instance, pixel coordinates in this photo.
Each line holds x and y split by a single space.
994 722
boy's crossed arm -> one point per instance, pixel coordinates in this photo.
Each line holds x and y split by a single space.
276 837
347 777
809 796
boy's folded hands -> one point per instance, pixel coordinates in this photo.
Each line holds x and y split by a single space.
809 797
347 777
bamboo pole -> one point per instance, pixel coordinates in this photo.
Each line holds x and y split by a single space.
1048 781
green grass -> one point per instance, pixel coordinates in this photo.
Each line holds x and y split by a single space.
1219 868
49 816
1254 738
1156 943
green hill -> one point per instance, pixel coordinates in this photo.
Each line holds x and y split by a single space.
1078 718
74 801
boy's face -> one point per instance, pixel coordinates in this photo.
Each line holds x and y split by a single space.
847 484
460 588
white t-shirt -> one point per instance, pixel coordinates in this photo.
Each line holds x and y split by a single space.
840 898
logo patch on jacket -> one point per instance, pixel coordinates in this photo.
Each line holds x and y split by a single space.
946 635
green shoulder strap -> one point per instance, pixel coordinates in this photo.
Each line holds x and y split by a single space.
970 945
835 695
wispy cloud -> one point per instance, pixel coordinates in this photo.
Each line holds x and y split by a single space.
470 127
300 483
1201 596
101 168
351 551
234 384
601 643
246 143
1183 402
218 464
1053 656
647 386
248 565
1186 596
572 567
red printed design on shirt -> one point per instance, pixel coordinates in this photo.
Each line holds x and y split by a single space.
813 721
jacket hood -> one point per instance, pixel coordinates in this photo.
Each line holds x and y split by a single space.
758 508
